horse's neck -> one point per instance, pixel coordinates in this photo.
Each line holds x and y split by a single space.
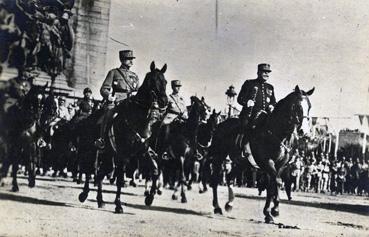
278 125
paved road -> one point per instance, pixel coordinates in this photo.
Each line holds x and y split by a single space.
52 209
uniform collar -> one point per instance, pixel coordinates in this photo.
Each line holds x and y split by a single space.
124 67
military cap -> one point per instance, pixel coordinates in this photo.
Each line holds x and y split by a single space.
86 90
126 54
61 98
176 83
264 67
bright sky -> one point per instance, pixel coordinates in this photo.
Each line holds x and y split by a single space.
308 43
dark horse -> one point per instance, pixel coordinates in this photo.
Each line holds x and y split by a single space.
267 147
130 131
21 133
183 143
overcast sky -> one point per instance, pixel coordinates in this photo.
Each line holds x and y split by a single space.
308 43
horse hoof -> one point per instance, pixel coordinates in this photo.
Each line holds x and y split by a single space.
132 183
189 187
38 172
82 196
149 199
118 210
79 181
15 189
174 197
146 193
183 200
32 183
289 198
268 219
112 181
100 204
218 210
274 212
228 207
159 192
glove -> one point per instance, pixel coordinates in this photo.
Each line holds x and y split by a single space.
271 108
250 103
111 98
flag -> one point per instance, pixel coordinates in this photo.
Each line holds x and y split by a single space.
361 117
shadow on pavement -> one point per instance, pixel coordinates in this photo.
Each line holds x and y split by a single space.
344 207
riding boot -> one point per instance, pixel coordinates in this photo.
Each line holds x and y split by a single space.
244 121
108 116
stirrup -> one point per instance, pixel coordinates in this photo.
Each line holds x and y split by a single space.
100 143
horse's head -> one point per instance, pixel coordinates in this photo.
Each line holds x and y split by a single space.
198 109
153 88
299 110
213 119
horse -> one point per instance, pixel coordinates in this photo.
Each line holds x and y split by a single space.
21 134
183 142
130 131
267 147
204 140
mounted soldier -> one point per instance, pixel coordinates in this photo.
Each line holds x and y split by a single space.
119 84
258 100
87 105
176 110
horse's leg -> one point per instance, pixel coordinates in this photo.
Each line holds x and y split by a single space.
86 188
269 197
276 199
183 180
119 170
205 173
230 183
31 153
216 176
15 187
99 198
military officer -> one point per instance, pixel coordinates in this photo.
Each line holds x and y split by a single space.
16 88
119 84
87 105
255 96
176 110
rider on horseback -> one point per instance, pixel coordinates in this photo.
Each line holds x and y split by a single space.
176 110
119 84
257 98
87 105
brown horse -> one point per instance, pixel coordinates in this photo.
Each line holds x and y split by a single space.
267 147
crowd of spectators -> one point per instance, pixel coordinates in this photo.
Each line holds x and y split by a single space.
323 174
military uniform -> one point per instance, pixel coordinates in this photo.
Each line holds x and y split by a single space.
176 107
15 89
261 92
122 81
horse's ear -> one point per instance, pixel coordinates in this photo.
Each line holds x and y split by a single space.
152 66
297 89
202 99
310 92
214 112
164 69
